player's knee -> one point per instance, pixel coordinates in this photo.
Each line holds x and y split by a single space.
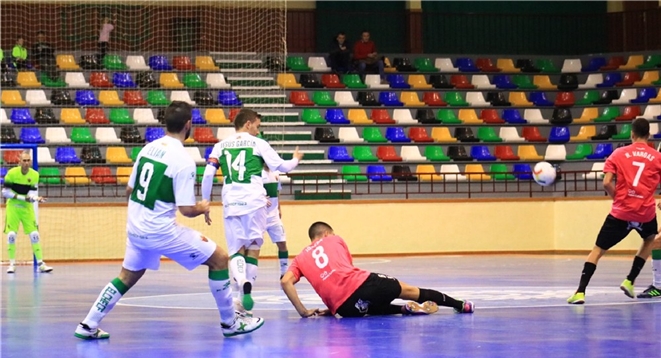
11 238
219 260
34 237
282 246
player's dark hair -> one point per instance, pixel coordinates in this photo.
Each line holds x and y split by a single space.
640 128
244 116
176 116
317 229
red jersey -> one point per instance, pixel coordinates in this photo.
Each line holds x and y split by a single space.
328 266
638 171
362 49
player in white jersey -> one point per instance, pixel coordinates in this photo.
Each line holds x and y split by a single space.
162 181
241 158
274 226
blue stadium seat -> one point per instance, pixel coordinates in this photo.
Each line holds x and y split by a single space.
228 98
339 154
397 135
522 171
66 155
465 64
539 99
559 135
610 80
86 98
389 99
153 133
123 80
595 64
336 116
481 153
31 135
3 172
21 116
504 82
197 117
159 63
513 116
398 81
645 95
602 151
378 173
207 152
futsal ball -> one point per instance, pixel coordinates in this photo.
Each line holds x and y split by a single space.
544 173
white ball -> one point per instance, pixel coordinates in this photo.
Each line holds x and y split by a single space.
544 173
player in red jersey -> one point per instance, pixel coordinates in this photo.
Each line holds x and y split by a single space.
637 168
352 292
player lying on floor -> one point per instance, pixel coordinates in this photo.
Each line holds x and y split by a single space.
352 292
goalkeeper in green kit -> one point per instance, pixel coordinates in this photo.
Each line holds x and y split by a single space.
19 188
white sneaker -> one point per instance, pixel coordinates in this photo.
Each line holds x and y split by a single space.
84 331
11 269
45 268
242 325
240 310
425 308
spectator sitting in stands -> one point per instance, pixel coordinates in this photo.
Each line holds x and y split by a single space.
43 54
20 54
365 57
340 54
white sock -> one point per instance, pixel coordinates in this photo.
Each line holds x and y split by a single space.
283 258
219 284
12 262
107 299
251 270
238 269
656 273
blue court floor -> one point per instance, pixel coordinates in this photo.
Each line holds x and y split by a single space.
520 312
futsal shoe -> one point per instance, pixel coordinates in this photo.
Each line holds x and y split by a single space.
240 310
577 299
466 307
650 292
242 325
247 300
84 331
415 308
627 288
11 269
45 268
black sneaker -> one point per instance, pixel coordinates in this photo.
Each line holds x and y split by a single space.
650 292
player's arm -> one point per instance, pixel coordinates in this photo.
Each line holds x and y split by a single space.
274 162
609 186
184 193
210 170
287 282
9 193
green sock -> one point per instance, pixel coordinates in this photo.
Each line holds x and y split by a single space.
283 257
36 249
12 252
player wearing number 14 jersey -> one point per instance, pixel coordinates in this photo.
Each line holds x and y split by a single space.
637 168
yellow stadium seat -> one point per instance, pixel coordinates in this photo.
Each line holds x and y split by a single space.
170 80
117 155
287 80
585 133
66 62
205 63
633 62
507 65
216 116
475 172
28 79
442 134
528 152
123 174
519 99
110 98
189 140
418 81
359 116
656 99
469 116
587 115
387 66
427 172
543 82
411 99
71 116
12 97
648 78
76 176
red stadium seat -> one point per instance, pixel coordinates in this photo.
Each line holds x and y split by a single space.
233 113
565 99
433 99
299 98
134 98
613 63
100 79
11 156
461 82
204 135
491 116
182 63
485 65
505 152
419 134
629 114
331 81
103 175
381 116
629 79
531 134
388 154
96 116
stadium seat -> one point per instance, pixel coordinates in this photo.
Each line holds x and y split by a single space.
543 82
442 134
374 81
594 65
134 98
30 135
398 81
559 135
38 97
96 116
513 116
373 135
451 172
476 99
228 98
332 81
652 112
656 99
592 81
66 62
353 81
358 116
488 135
349 135
468 116
378 173
3 117
323 135
465 64
44 157
587 115
597 171
12 98
546 65
225 132
217 80
589 97
403 116
103 175
100 79
56 135
568 82
633 62
505 152
123 174
485 65
461 82
455 99
565 99
113 62
8 136
610 80
387 154
504 82
312 116
54 81
571 65
146 80
197 117
500 172
534 116
130 134
11 156
649 78
339 154
519 99
481 153
91 155
75 79
318 64
154 133
182 96
522 171
440 82
532 134
629 79
381 116
215 116
433 99
397 135
136 63
117 155
606 132
159 63
336 116
435 153
624 133
76 176
298 98
345 99
584 133
475 172
106 135
27 79
497 99
529 153
608 114
21 116
445 65
418 82
170 80
82 135
389 99
645 95
352 173
123 80
287 81
482 82
410 99
419 135
110 98
182 63
424 64
629 114
86 98
491 116
120 116
427 172
66 155
310 80
651 61
523 82
602 151
506 65
296 63
580 153
205 63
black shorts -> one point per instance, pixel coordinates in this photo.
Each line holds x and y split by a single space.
372 297
615 230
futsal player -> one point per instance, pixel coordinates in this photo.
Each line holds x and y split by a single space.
163 181
352 292
19 188
637 168
241 158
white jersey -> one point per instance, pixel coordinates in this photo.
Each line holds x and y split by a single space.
163 178
272 186
241 158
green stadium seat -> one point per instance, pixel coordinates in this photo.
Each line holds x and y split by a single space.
500 172
609 114
113 62
657 82
193 80
624 133
199 172
523 82
50 175
447 116
50 82
373 135
364 154
120 116
323 98
352 173
581 152
353 81
651 62
453 98
312 116
425 65
297 63
82 135
435 153
488 134
588 98
157 98
546 65
134 153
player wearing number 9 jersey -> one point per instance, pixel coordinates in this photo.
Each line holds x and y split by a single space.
241 158
352 292
637 168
